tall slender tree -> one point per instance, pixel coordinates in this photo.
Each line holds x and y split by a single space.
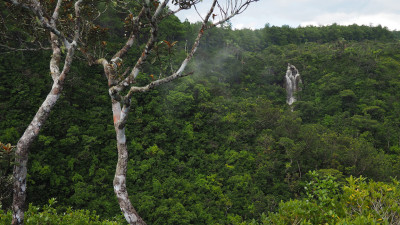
64 40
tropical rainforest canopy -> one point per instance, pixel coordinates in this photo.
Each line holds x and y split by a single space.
220 146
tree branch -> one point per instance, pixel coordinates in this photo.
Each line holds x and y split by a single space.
159 9
77 21
121 53
56 10
178 73
149 46
170 13
17 3
234 9
55 57
11 49
197 41
37 9
156 83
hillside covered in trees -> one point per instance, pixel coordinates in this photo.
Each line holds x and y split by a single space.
221 146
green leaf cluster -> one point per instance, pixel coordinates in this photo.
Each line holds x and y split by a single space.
50 215
354 201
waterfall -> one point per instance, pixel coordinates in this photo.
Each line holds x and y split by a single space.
293 80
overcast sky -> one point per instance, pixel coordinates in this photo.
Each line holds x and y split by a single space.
312 12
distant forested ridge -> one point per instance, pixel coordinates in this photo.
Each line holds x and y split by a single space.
221 146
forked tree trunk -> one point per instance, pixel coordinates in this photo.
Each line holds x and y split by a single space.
22 151
119 82
120 190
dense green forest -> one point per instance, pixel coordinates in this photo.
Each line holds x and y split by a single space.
221 146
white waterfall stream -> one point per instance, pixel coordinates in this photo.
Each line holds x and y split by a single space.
293 80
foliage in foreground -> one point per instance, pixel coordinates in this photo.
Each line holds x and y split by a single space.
327 201
49 215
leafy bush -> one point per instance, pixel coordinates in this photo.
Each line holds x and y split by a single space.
356 202
49 215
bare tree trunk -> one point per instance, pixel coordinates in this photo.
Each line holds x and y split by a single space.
120 190
22 152
21 159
